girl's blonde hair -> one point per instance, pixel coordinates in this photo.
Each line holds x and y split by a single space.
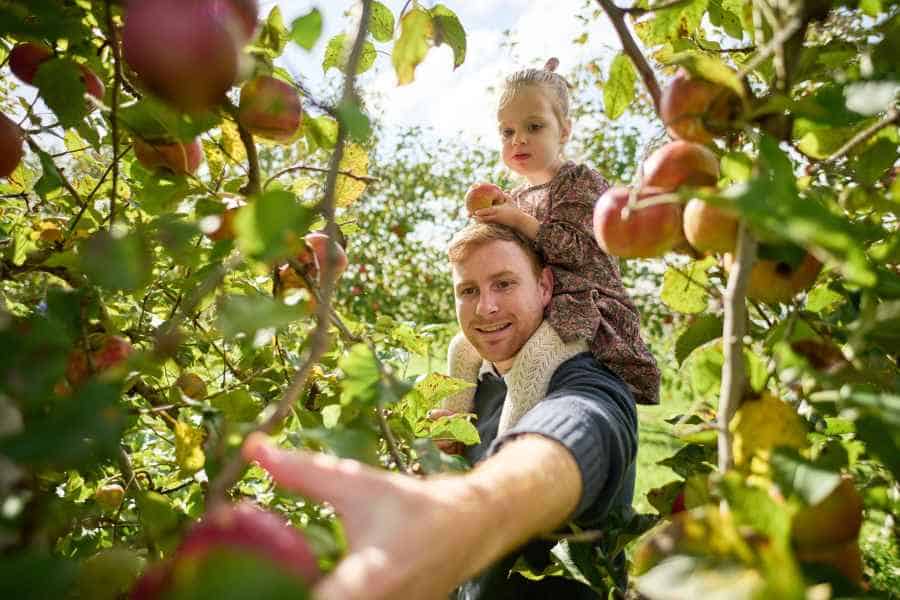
554 84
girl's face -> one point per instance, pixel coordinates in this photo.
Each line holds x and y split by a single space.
531 134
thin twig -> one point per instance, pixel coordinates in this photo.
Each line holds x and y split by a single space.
890 117
637 11
363 178
629 46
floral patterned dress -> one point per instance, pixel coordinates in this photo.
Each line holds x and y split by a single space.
589 300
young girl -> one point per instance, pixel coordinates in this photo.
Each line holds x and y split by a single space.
555 211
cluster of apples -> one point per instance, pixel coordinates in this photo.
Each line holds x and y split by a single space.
242 529
24 61
645 223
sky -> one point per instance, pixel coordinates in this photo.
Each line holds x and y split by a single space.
455 102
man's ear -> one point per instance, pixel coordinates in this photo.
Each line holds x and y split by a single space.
545 286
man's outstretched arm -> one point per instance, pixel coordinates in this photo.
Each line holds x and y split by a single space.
420 538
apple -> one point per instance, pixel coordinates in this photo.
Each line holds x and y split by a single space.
270 108
192 386
838 518
243 528
678 504
709 228
24 60
11 151
92 83
187 52
248 12
642 232
316 253
483 195
110 496
695 110
843 557
178 157
777 281
113 351
680 163
225 229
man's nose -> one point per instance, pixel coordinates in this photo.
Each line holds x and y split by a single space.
487 304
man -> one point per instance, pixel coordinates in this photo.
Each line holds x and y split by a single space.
569 455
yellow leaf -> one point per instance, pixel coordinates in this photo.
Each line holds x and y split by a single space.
231 142
411 48
189 447
348 189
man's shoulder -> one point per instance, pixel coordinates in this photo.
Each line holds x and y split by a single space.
586 374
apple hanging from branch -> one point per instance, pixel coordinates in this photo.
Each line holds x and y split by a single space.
180 158
680 163
697 110
11 150
639 231
270 108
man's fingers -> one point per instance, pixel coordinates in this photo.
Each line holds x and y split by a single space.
317 476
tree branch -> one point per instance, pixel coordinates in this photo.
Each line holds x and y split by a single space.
890 117
629 46
113 113
637 11
231 472
733 375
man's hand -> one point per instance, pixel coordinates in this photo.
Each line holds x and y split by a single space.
418 538
510 215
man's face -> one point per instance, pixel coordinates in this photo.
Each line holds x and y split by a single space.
499 300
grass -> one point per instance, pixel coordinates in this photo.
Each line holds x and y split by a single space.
655 441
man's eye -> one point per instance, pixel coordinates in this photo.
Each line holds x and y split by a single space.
467 291
503 284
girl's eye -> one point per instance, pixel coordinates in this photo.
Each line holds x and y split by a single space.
506 132
535 126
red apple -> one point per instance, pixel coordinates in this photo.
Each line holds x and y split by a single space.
109 496
483 195
24 60
777 281
318 243
248 11
184 51
225 230
77 368
236 529
696 110
709 228
177 157
270 108
113 351
11 151
639 232
92 83
680 163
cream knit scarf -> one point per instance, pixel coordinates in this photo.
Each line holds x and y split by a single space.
529 378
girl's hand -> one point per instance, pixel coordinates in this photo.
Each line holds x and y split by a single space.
510 215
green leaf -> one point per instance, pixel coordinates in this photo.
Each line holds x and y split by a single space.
381 23
117 262
727 16
704 368
683 576
619 90
248 314
690 460
456 427
161 191
51 179
709 68
152 120
822 299
321 131
736 167
238 406
704 329
684 288
30 574
273 36
671 24
88 425
797 476
306 30
449 30
435 387
362 375
355 120
62 90
875 160
270 228
338 52
753 506
412 46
